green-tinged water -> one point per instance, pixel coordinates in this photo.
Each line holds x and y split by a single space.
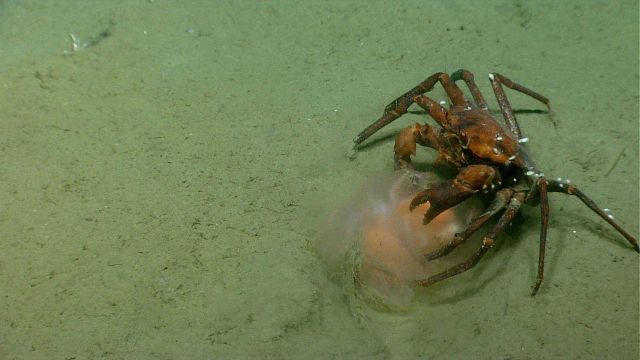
162 186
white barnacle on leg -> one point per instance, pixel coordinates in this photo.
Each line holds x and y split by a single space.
608 212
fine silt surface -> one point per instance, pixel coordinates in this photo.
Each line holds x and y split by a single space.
167 168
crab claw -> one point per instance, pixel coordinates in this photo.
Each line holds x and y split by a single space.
420 198
446 195
440 197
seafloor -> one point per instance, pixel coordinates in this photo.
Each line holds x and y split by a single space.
161 185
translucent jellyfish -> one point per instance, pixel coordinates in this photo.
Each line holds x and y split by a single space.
377 246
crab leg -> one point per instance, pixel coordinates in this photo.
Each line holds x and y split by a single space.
487 243
557 186
399 106
497 81
544 223
467 77
437 112
499 202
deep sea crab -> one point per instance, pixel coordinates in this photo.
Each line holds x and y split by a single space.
491 158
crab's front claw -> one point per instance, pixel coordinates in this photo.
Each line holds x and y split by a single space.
440 197
446 195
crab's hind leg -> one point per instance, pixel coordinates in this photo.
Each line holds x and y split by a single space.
470 180
569 189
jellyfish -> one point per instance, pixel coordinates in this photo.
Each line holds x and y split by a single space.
376 245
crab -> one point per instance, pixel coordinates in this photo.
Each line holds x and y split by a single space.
491 158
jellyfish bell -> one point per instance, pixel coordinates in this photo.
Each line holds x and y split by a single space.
392 248
379 244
